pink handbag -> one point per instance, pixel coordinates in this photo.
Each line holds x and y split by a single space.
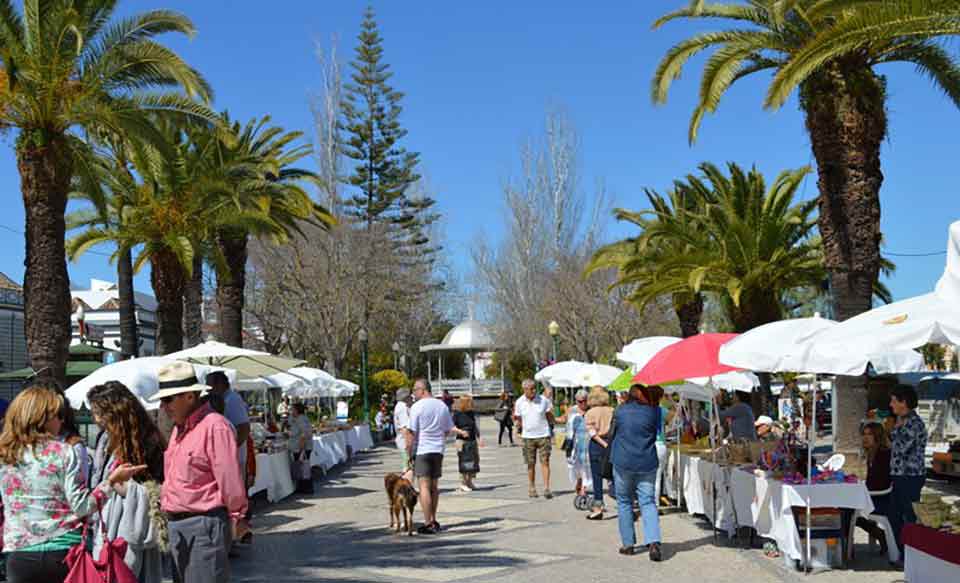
109 568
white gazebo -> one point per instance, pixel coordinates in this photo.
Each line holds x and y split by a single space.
471 337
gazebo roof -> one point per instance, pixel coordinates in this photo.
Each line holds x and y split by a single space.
465 336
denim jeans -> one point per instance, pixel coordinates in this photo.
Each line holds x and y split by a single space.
596 451
906 491
636 486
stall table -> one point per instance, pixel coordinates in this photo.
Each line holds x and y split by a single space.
760 501
273 475
329 450
930 556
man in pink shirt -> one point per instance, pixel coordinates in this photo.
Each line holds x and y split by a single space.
202 491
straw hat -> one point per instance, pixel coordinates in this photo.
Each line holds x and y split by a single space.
176 378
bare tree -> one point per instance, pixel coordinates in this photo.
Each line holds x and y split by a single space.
534 275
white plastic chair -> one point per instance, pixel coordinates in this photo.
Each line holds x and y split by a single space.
893 553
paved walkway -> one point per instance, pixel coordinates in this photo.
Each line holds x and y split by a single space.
494 534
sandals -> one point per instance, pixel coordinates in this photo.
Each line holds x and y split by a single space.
595 515
533 493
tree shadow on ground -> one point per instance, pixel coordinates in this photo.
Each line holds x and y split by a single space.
345 545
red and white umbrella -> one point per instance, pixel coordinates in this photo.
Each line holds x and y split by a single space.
693 357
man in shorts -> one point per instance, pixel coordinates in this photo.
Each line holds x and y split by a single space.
533 414
430 423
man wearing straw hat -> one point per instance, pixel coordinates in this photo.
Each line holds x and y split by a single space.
202 489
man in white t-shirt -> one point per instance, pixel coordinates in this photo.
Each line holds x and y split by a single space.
534 414
401 421
430 423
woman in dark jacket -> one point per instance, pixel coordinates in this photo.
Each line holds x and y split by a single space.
634 458
504 416
468 434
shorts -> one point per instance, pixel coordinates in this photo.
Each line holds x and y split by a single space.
428 465
530 447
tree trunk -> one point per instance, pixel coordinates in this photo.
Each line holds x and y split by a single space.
845 117
129 334
230 286
689 309
43 161
193 305
168 279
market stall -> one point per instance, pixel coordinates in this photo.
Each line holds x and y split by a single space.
930 555
273 475
329 450
748 497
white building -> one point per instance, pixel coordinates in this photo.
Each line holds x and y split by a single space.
101 306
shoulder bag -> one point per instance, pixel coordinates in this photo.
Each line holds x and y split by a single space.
109 568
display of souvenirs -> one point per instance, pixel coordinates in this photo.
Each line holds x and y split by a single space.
933 512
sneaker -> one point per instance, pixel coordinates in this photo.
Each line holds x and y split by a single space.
548 494
655 555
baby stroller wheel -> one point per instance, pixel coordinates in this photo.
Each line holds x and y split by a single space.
581 502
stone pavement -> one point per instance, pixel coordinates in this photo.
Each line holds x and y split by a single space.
495 534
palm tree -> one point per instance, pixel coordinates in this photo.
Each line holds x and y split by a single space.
828 51
68 68
108 211
632 259
741 241
168 211
258 163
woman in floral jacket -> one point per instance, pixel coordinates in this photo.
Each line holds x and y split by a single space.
45 499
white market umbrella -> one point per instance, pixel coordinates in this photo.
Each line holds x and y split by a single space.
303 382
793 346
344 388
248 363
594 374
639 352
911 323
561 374
737 380
140 375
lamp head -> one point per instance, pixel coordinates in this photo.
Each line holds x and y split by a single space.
553 328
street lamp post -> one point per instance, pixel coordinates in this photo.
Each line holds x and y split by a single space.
554 329
363 372
396 355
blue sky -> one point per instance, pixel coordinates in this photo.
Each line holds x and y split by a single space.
478 77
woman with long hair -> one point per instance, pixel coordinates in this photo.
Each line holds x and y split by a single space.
634 458
876 448
130 436
45 498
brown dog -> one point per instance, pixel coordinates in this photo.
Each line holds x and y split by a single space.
402 498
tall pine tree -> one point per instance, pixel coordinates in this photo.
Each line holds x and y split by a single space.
370 135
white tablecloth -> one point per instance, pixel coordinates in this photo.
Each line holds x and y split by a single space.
273 475
359 438
771 506
329 449
930 556
765 504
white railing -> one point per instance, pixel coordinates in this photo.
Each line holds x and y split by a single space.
464 386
